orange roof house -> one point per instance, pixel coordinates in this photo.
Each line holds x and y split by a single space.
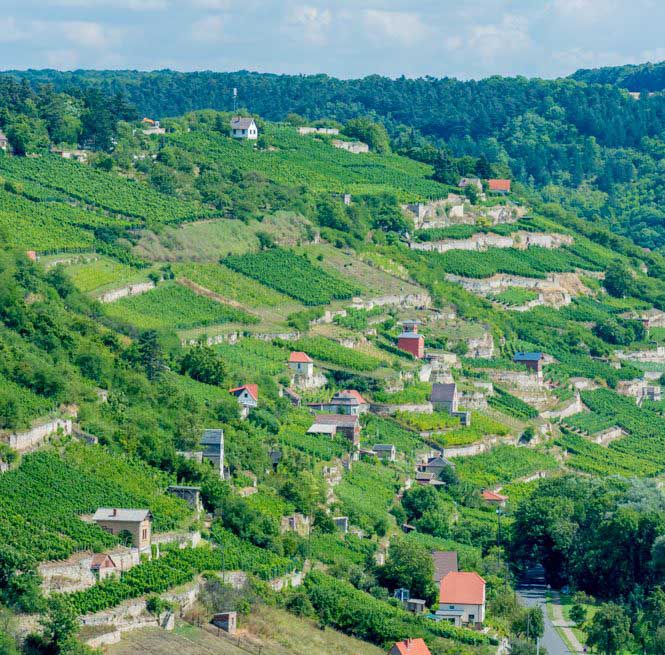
248 397
499 186
299 358
462 598
252 390
493 497
410 647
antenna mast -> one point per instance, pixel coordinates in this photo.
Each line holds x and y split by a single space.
235 98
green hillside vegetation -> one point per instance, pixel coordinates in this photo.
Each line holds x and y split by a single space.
295 160
251 243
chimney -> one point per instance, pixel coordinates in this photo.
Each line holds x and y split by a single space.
114 512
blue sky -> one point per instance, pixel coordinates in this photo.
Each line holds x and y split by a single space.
345 38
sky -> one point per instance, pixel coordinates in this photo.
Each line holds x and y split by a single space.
343 38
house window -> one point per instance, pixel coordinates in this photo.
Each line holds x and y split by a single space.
451 607
144 533
472 617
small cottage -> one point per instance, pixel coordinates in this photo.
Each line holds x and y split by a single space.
445 397
493 498
191 495
348 401
137 522
212 445
532 360
471 182
244 128
434 465
301 364
410 341
248 397
103 566
227 621
384 451
152 127
462 599
333 424
4 142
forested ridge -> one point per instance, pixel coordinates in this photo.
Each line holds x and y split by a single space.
634 77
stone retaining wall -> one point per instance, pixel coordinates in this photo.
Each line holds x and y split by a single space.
35 436
125 292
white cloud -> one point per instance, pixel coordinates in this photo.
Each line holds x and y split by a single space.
585 10
209 29
509 36
132 5
86 34
406 28
216 5
312 23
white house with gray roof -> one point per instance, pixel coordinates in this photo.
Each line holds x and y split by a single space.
244 128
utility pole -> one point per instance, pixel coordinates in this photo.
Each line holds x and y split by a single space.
235 98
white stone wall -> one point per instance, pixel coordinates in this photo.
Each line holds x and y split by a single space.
124 292
24 441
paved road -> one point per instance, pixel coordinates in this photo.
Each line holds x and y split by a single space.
533 592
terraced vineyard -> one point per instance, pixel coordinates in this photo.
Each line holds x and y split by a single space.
367 493
126 197
535 262
85 479
503 464
103 273
508 404
230 284
173 306
588 422
293 275
298 160
598 460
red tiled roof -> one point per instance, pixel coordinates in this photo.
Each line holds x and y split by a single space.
459 588
493 497
411 647
299 358
253 390
499 185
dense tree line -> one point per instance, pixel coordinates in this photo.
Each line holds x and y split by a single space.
634 77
